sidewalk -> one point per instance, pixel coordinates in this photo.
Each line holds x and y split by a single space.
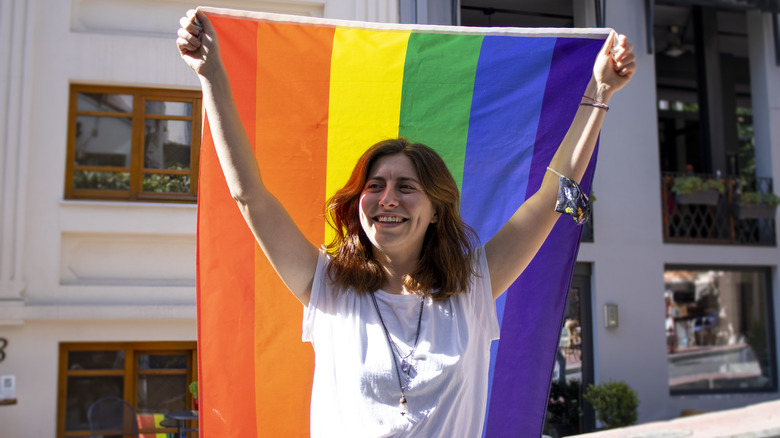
754 421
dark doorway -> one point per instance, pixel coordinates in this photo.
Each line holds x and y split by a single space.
567 413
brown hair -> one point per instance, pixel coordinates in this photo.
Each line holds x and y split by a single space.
446 258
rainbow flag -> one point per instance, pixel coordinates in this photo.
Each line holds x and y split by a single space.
313 94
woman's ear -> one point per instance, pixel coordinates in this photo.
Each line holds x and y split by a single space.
435 217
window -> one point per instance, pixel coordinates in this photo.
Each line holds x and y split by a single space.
718 330
152 376
136 144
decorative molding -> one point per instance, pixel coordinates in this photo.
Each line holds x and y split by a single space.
161 17
16 46
149 260
16 316
11 312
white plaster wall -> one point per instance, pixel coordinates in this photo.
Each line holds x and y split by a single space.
62 56
32 356
629 255
111 42
59 290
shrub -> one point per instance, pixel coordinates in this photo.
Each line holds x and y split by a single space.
753 198
689 184
615 403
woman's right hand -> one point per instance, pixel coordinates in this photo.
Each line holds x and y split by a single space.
198 46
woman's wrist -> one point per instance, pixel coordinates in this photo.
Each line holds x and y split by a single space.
598 92
214 77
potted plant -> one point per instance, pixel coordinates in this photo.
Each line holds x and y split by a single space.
615 403
695 190
755 205
194 391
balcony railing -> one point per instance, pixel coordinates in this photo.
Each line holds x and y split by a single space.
717 221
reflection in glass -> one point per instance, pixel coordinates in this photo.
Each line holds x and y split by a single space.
160 393
167 144
564 409
96 360
82 392
161 183
103 141
717 330
115 103
87 179
162 361
160 108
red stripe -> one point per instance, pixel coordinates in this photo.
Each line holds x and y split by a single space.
225 263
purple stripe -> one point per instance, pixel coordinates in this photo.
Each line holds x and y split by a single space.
506 106
535 303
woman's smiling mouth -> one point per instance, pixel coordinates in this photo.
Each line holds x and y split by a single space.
389 219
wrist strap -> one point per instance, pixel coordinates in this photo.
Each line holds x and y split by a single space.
603 106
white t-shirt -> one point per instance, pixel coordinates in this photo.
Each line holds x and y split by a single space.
356 390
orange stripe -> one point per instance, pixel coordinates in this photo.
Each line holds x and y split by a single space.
225 264
292 110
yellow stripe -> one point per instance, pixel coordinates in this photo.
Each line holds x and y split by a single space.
367 69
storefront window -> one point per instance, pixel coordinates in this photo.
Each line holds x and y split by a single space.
718 329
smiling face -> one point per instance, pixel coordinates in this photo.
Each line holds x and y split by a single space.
395 211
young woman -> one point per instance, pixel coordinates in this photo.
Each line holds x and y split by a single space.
400 307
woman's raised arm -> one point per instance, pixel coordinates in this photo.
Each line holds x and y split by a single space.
511 250
290 253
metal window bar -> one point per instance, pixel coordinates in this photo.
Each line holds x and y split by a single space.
718 221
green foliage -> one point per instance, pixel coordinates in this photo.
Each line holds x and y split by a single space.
690 184
88 179
194 389
745 147
714 184
754 198
615 403
163 183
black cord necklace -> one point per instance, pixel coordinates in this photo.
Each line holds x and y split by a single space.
406 365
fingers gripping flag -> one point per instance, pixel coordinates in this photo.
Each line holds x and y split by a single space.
313 94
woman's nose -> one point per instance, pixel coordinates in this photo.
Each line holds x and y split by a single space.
389 198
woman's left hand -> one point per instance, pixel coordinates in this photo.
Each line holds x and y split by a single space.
615 64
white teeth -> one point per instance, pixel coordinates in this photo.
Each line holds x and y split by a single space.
389 220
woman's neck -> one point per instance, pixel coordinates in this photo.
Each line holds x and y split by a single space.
396 268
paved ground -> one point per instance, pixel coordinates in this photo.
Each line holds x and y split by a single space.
754 421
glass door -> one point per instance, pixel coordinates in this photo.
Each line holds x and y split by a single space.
567 413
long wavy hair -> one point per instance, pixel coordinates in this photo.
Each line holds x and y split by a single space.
446 259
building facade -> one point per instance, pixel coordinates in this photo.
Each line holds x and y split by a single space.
99 123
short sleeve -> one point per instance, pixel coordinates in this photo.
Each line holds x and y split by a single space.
318 291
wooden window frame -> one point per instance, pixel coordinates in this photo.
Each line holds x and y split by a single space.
130 374
138 118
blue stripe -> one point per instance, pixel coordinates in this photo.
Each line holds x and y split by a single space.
536 301
505 111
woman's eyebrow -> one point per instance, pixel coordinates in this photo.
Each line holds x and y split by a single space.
409 178
400 179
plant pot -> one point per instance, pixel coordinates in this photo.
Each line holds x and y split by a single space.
755 211
703 197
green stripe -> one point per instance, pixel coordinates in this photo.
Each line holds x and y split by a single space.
436 96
